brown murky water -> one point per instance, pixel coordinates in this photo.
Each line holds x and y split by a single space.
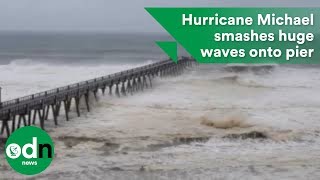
207 124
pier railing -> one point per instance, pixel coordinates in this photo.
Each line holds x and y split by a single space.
34 107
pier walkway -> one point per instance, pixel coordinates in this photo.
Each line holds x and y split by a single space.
35 109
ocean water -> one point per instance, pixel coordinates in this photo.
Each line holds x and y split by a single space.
194 126
28 61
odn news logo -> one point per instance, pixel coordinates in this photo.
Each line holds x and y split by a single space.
29 150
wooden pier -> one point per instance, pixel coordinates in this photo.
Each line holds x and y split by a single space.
35 109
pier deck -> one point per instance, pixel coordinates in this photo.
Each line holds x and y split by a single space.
35 109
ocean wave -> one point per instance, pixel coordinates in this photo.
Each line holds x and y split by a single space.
22 62
241 81
257 68
26 76
226 122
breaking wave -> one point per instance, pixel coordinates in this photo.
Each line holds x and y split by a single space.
259 69
225 122
26 76
242 81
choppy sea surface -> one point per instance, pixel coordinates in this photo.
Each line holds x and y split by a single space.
213 122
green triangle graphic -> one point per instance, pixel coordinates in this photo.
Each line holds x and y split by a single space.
170 48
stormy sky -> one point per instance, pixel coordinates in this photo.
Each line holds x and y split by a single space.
107 15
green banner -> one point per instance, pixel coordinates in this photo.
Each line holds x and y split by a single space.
243 35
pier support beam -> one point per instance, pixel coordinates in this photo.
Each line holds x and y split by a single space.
140 87
129 86
95 94
86 97
67 104
29 117
77 100
134 85
22 117
123 89
117 90
13 128
5 126
47 113
103 89
150 81
110 89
